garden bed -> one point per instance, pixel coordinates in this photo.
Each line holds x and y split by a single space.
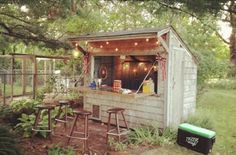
96 142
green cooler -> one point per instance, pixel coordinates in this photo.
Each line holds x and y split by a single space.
195 138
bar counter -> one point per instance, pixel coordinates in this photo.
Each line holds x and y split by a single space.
139 108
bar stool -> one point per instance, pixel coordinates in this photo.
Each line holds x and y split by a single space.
84 134
63 104
116 131
48 108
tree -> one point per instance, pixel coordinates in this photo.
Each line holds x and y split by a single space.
224 10
42 21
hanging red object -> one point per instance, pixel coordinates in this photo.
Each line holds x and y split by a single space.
86 63
162 62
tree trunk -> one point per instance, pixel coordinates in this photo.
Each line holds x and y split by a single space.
233 40
233 45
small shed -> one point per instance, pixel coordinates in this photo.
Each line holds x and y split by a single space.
149 72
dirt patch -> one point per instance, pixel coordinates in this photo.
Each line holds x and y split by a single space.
96 142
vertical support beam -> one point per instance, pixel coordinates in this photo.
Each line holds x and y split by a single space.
4 89
35 76
23 77
45 72
12 72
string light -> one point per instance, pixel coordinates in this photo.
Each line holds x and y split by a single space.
107 42
135 44
116 49
75 54
145 69
101 46
125 66
155 68
86 42
140 64
76 44
157 42
134 70
147 39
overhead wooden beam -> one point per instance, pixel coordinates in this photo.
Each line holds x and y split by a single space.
134 58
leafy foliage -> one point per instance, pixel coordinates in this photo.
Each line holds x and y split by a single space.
24 105
144 135
8 144
7 114
57 150
168 136
201 119
226 84
25 125
116 146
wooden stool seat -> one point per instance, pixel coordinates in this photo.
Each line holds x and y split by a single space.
117 131
46 106
115 110
63 102
82 112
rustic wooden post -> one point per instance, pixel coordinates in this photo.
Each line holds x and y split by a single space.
45 73
4 89
12 72
23 77
35 76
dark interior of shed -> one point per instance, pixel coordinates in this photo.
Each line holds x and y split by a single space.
131 70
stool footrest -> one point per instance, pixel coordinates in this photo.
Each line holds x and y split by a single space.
60 120
41 130
114 132
82 133
81 138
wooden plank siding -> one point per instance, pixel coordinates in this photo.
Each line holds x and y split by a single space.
190 86
137 110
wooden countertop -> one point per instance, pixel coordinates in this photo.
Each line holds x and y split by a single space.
104 92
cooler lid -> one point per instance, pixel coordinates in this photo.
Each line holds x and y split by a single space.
197 130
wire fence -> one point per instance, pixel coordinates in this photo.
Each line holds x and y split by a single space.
16 83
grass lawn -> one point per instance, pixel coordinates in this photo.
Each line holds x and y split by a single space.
17 90
220 105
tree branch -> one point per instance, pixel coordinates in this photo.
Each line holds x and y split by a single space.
56 44
195 16
14 17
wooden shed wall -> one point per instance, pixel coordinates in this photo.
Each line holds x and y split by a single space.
190 86
182 75
144 110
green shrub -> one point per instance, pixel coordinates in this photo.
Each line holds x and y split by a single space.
57 150
168 136
40 94
8 115
144 135
222 83
27 122
202 120
8 144
116 146
25 106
